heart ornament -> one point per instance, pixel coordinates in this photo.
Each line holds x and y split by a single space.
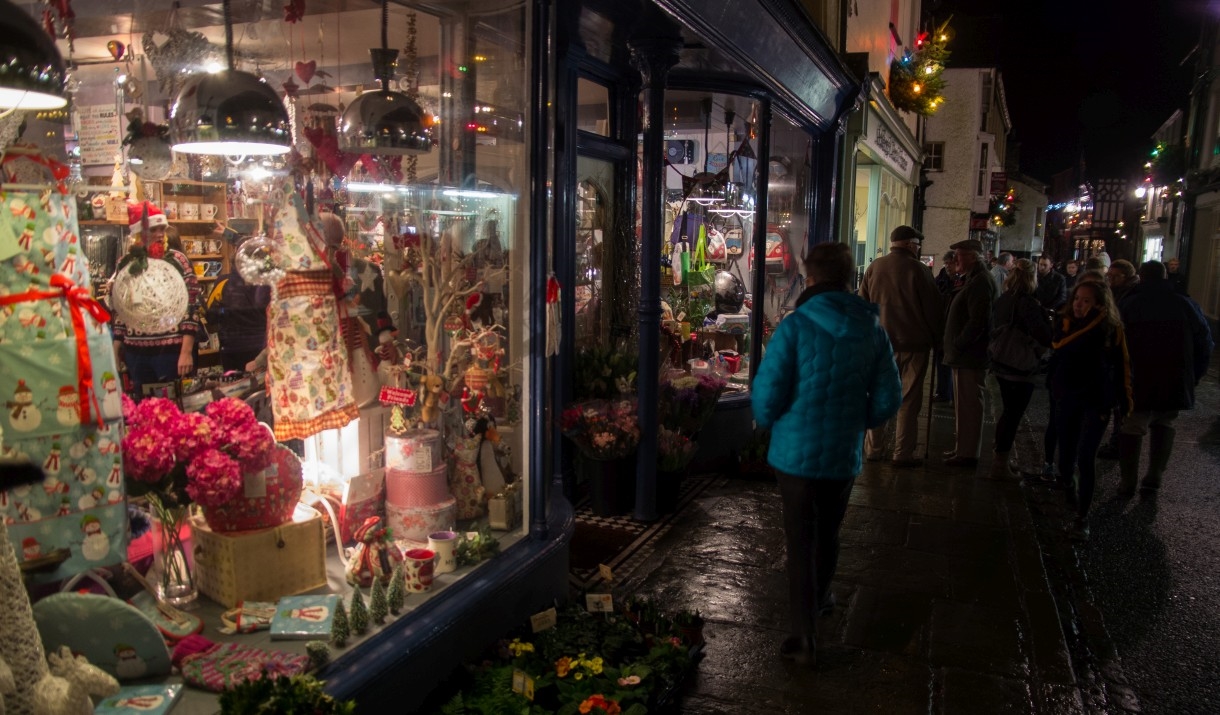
306 70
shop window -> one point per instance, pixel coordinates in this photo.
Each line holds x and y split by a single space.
984 174
934 156
592 107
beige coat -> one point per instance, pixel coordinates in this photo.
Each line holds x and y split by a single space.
912 309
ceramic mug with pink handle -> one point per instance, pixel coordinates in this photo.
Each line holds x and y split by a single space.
417 567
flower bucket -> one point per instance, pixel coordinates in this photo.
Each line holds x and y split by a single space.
611 484
269 499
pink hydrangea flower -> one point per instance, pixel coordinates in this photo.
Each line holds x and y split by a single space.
147 456
191 434
213 478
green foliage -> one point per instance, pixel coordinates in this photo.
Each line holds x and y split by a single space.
340 629
917 78
471 550
397 597
298 694
604 373
359 613
378 607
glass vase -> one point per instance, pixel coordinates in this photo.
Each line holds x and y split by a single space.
173 575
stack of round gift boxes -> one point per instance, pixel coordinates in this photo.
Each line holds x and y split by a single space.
417 501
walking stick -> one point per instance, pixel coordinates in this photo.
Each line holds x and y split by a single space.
927 435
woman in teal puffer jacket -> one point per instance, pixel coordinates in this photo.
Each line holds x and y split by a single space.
827 376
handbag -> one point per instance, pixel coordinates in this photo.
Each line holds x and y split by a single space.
1014 350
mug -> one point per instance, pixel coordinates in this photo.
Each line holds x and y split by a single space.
190 211
207 212
200 268
417 565
214 268
214 245
444 543
171 210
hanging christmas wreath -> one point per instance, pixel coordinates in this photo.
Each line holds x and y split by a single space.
917 77
1004 207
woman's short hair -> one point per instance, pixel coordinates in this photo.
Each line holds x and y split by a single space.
830 264
1021 278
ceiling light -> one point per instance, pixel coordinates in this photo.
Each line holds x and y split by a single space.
228 112
384 121
32 73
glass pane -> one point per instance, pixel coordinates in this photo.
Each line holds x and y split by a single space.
594 227
592 107
707 263
787 219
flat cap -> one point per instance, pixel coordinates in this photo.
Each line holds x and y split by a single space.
905 233
970 244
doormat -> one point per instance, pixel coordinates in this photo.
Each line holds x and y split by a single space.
620 542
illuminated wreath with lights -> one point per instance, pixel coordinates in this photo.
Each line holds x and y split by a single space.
1004 207
917 78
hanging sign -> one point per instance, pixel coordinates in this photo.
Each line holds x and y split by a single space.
101 133
397 396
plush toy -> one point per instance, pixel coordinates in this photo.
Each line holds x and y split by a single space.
86 676
431 386
374 556
490 473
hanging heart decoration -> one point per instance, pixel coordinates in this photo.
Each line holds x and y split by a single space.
117 49
294 11
399 282
306 70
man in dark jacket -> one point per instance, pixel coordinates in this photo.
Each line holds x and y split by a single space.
1052 286
912 313
967 331
1170 345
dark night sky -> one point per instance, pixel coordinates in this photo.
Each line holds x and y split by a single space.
1080 75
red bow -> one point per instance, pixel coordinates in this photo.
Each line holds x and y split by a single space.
79 302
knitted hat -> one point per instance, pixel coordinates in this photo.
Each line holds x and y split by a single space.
135 216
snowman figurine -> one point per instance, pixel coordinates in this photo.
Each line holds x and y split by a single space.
112 402
24 415
128 663
96 545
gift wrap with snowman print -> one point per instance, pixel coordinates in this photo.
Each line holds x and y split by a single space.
308 378
62 403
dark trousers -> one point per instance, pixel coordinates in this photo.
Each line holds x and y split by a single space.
944 375
1014 396
1080 431
813 513
149 365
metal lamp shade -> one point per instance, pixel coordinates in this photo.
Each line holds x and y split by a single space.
384 122
32 74
229 112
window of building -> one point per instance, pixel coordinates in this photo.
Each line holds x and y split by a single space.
1039 219
982 186
934 156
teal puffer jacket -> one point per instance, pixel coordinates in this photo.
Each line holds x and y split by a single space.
828 374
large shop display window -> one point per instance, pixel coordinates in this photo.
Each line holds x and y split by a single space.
714 204
392 287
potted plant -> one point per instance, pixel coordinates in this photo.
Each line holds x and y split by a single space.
300 694
604 425
674 453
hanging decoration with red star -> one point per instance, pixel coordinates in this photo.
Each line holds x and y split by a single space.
916 78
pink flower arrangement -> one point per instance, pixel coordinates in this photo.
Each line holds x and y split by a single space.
603 429
187 457
674 450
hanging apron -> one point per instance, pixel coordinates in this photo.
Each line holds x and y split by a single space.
59 388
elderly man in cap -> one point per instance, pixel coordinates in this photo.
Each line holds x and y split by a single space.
912 313
967 331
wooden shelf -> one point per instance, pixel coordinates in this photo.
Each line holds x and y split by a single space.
193 221
205 278
205 255
100 222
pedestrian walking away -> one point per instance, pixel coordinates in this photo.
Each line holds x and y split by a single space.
948 282
1016 310
828 375
967 332
1170 345
1088 376
912 313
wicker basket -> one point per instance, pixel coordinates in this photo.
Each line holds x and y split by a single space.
261 565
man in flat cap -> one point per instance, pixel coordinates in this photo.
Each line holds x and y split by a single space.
967 331
912 313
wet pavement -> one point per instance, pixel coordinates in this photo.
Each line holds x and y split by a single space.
944 604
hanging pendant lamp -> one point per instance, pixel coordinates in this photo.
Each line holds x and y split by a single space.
32 73
229 112
383 121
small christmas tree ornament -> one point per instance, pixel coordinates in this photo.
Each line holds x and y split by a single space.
359 613
397 597
339 628
378 608
318 652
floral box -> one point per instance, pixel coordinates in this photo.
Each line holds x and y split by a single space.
261 565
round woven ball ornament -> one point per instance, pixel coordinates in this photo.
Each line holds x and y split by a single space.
257 261
150 158
151 301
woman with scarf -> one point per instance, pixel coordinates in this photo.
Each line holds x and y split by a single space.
1088 376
